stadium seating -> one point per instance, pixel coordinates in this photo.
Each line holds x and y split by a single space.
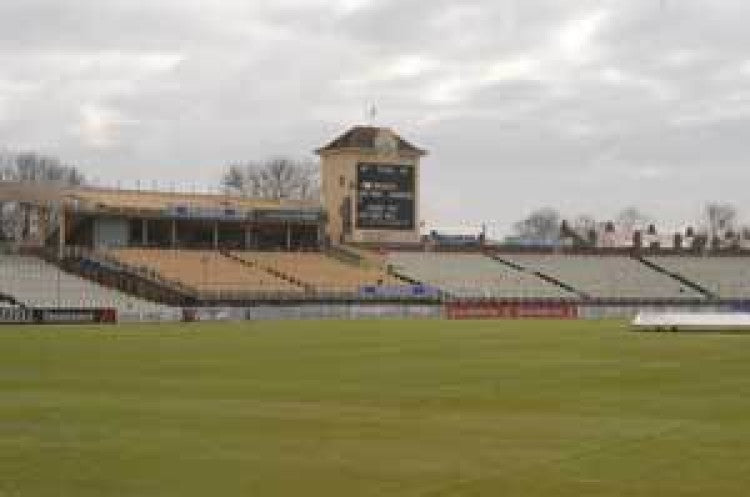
606 276
473 276
319 271
727 277
36 283
208 272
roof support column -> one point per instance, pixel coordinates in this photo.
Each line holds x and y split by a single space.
174 233
248 237
144 232
62 227
288 236
43 220
216 235
24 221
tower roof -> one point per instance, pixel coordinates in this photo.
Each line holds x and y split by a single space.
365 137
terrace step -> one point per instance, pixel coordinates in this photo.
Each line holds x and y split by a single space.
545 277
682 279
272 271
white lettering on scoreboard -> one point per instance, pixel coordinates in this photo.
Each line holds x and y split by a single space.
385 197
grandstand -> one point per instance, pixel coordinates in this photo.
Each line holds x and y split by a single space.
466 275
148 251
211 274
318 271
726 276
248 274
606 276
32 282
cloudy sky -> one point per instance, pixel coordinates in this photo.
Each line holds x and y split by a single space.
588 106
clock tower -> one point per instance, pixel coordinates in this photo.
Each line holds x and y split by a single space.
370 187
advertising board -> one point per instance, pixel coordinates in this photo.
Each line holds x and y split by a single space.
511 310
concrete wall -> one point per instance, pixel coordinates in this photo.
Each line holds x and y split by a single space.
111 232
319 311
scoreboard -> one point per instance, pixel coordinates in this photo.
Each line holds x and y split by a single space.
385 197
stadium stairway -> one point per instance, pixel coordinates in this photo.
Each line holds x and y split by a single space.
321 273
366 258
682 279
545 277
271 271
111 273
346 255
402 277
443 294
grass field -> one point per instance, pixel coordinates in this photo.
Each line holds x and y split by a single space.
373 409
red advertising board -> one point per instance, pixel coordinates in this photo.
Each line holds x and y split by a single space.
511 310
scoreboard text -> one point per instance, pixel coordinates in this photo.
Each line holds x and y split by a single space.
385 197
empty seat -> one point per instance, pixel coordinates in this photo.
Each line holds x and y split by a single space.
606 276
323 273
727 277
205 271
36 283
473 276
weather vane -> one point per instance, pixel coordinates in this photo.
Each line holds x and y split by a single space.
372 113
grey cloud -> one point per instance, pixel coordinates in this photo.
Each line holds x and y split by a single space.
589 105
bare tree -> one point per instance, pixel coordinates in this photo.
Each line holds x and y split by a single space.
33 168
720 218
36 168
541 226
276 178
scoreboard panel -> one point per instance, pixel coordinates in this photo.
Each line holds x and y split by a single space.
385 197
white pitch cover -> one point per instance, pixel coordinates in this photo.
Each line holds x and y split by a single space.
672 321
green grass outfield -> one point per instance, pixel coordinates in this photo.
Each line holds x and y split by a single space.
373 409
